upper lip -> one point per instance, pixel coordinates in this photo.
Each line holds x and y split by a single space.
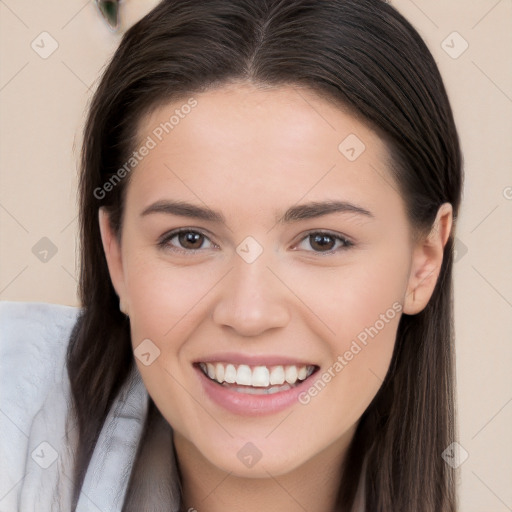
254 359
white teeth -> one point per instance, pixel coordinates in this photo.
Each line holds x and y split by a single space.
211 370
219 370
243 375
302 373
260 377
277 375
230 374
257 376
291 374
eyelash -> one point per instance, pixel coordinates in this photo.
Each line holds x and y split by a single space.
164 241
345 243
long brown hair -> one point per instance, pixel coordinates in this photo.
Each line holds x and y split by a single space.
363 55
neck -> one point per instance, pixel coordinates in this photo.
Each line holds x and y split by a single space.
313 486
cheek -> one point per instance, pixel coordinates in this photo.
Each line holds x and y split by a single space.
357 309
166 305
164 298
361 354
345 301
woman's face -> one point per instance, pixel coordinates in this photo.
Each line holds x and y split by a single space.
263 239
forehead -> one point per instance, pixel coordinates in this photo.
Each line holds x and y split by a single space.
244 143
280 117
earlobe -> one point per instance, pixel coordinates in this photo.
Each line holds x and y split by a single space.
113 256
427 259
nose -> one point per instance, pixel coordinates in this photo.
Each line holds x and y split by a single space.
251 301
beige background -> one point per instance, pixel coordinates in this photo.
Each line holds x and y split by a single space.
43 102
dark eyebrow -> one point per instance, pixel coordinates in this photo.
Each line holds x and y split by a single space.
317 209
184 210
293 214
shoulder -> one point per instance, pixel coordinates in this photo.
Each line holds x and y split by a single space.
33 342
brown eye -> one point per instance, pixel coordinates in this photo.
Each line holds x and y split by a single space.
322 242
185 240
191 239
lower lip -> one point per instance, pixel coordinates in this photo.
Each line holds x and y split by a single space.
250 405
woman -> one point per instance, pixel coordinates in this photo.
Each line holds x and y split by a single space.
267 204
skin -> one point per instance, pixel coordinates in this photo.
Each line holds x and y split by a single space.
251 153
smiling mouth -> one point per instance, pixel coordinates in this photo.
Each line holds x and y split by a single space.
257 380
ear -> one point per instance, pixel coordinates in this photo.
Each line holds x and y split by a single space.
426 262
112 250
